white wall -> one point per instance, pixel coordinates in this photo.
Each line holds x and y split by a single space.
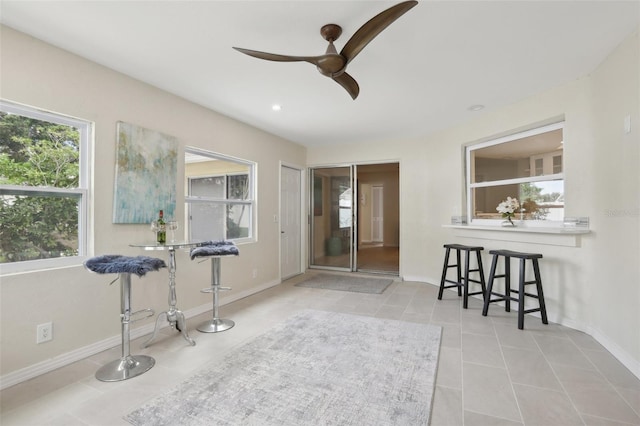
594 287
83 307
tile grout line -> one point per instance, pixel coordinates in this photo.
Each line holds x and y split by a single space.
461 363
606 378
506 366
564 389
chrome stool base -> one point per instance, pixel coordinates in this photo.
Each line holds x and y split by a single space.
215 325
125 368
214 250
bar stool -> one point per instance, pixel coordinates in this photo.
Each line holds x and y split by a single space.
508 254
128 365
215 250
462 282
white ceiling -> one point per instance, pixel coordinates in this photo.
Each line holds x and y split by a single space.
418 76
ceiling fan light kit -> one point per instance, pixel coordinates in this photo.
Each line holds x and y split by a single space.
333 64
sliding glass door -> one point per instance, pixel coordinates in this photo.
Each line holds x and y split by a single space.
332 216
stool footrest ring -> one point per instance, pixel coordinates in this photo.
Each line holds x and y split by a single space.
212 289
148 311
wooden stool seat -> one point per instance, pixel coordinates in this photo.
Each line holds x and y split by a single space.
463 280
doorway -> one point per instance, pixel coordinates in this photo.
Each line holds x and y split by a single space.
354 218
290 221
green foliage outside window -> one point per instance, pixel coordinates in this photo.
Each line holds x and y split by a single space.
237 189
36 153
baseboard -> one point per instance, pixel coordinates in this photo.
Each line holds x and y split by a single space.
620 354
35 370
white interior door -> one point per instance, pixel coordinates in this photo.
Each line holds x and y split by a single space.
290 231
377 214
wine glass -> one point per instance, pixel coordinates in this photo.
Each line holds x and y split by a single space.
154 226
172 226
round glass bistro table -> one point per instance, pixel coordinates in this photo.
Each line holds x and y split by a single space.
174 316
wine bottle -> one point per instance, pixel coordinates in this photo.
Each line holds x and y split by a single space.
161 233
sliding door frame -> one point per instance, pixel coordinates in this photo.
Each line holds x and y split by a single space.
319 212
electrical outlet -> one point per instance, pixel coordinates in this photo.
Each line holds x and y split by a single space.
44 332
255 273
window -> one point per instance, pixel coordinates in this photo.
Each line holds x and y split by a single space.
526 166
44 181
220 196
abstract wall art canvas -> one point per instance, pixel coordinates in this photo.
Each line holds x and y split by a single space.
146 173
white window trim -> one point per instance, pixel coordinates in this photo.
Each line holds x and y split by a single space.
251 202
504 139
85 224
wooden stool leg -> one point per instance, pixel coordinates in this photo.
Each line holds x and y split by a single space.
492 273
521 295
459 271
466 279
543 308
481 272
507 284
444 273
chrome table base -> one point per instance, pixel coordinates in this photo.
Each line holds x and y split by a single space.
174 316
176 320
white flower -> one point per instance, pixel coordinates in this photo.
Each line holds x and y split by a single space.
508 207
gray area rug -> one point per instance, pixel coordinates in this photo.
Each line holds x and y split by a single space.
316 368
346 283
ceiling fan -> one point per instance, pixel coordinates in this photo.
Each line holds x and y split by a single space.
333 64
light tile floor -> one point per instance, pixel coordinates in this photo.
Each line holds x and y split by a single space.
490 373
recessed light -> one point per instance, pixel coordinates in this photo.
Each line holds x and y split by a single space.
276 107
476 107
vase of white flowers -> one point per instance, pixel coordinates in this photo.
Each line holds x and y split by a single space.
508 208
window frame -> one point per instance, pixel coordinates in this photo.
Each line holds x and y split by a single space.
82 191
251 195
469 186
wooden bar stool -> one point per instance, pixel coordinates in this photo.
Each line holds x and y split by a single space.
463 280
215 250
128 365
508 254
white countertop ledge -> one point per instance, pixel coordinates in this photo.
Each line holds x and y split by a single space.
524 229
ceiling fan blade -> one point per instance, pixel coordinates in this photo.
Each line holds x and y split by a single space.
346 81
373 27
279 58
